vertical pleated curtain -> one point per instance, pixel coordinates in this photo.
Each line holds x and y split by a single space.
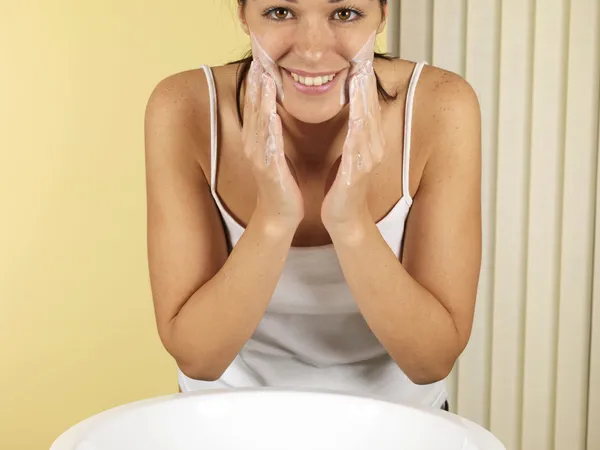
531 372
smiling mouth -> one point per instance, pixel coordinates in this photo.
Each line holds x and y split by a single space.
312 81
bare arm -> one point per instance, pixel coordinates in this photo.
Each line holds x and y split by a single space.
421 309
207 304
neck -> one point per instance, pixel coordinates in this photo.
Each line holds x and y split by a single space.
311 145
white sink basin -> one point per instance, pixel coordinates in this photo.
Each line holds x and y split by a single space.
272 419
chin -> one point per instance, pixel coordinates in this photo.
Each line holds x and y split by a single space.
313 114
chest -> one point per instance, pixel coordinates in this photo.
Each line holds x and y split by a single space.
237 190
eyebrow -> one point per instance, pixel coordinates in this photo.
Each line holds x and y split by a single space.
329 1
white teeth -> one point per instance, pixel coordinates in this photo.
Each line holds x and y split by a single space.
312 81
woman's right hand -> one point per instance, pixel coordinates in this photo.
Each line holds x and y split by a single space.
279 200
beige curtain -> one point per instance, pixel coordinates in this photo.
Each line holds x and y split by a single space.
531 372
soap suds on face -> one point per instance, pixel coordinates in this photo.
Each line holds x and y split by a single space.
367 52
365 55
259 54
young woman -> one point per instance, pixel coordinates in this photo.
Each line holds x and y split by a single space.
314 216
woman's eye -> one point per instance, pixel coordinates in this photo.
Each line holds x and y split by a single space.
346 15
279 14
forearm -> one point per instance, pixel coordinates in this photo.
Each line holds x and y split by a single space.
220 317
414 327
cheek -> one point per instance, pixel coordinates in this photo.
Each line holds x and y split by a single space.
366 52
274 44
355 46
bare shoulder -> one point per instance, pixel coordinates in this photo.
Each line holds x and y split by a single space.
439 93
447 104
179 103
179 106
448 121
446 116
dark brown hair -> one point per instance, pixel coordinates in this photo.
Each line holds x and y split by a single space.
246 61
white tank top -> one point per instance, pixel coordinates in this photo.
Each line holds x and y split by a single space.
313 334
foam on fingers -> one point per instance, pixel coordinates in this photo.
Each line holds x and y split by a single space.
254 82
363 58
367 52
260 55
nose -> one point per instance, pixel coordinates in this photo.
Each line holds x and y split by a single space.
312 41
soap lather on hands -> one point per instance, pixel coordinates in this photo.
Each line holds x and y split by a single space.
278 193
278 198
363 151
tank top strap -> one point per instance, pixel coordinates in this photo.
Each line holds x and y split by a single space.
213 126
408 116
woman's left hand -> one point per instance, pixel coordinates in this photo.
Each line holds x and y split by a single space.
345 205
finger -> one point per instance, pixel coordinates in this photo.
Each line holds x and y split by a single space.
278 156
269 123
363 154
364 123
261 128
358 97
376 138
274 150
366 85
361 148
367 140
346 163
354 99
269 97
280 161
276 130
373 94
349 165
251 105
253 86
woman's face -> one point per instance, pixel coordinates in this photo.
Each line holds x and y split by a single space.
310 41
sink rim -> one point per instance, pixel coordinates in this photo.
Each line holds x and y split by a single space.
480 436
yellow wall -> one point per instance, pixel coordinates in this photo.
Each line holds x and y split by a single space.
77 332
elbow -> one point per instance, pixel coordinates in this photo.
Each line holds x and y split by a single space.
196 364
435 368
429 374
201 372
